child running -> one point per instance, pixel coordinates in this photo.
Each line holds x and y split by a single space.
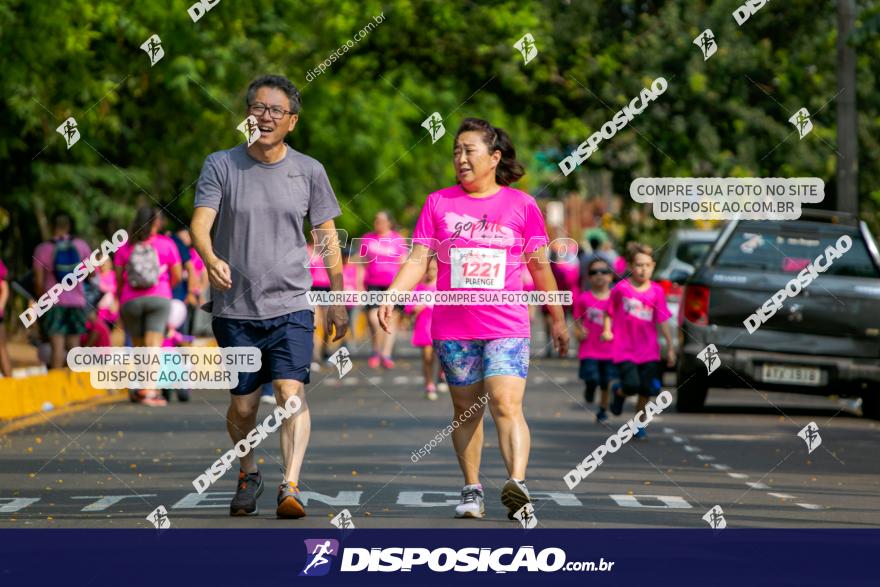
421 336
636 307
596 355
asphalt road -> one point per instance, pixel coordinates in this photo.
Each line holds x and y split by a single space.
113 465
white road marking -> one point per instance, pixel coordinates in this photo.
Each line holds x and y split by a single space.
343 498
106 501
781 495
669 501
678 439
401 379
721 467
738 475
757 485
208 499
810 506
739 437
415 499
16 503
706 457
668 430
690 448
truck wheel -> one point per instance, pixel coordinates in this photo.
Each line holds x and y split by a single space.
691 393
871 403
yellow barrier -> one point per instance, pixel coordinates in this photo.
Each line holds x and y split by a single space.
26 396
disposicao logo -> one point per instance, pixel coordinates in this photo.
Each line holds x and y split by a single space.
320 553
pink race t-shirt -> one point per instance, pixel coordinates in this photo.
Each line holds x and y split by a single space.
590 311
198 263
320 277
44 261
505 225
634 319
168 257
383 257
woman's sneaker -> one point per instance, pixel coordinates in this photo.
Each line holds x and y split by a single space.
431 392
249 488
601 415
471 503
289 504
374 361
514 496
387 362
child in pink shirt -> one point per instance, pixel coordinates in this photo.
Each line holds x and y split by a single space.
636 308
596 355
421 336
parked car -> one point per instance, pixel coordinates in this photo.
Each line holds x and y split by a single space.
823 340
680 256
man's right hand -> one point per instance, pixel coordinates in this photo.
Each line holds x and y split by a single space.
219 274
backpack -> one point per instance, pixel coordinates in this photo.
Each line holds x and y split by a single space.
65 258
142 269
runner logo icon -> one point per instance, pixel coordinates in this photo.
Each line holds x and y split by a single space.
715 518
69 131
153 48
706 42
319 556
801 121
526 45
434 125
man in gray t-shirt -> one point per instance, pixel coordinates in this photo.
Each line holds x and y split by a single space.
257 199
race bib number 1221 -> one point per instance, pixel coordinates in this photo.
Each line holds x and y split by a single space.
478 268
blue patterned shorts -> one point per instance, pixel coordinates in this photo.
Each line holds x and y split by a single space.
468 361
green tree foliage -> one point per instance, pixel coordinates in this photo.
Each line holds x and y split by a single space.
146 130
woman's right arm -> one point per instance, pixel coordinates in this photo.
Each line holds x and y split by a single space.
410 274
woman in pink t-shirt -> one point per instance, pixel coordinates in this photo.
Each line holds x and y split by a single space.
636 308
147 267
379 257
484 234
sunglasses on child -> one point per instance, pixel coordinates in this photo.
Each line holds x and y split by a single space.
593 272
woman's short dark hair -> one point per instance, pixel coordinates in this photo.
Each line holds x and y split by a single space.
143 223
278 82
509 169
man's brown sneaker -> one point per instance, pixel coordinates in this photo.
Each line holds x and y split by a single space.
289 504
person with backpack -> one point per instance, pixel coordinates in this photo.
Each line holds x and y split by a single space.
65 321
147 267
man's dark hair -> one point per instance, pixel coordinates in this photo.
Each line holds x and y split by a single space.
278 82
61 221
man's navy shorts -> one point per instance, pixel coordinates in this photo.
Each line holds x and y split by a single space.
285 344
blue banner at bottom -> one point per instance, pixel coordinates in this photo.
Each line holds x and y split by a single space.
436 557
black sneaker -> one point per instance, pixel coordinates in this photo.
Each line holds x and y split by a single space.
589 393
617 399
250 487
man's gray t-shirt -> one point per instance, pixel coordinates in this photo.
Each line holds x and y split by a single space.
259 228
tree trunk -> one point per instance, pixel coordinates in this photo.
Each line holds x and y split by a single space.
847 137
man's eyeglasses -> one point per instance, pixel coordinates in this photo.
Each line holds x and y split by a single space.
275 112
593 272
